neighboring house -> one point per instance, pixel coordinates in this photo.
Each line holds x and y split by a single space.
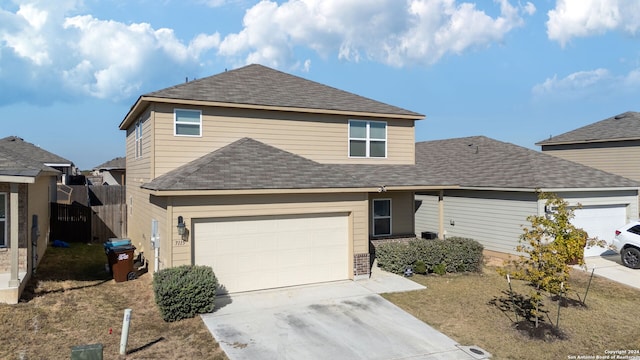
611 145
110 173
275 180
66 167
27 187
498 190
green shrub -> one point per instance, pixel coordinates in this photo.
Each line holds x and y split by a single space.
463 255
440 269
453 255
419 267
184 291
394 257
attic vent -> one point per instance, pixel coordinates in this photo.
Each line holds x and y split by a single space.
621 116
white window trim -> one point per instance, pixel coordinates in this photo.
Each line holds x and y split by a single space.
138 139
176 122
4 225
367 140
374 217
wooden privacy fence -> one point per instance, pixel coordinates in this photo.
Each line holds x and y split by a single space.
96 213
70 223
109 210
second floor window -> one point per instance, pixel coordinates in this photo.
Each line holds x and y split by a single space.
138 139
367 139
188 122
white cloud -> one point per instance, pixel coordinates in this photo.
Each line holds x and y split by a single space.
582 18
86 55
583 84
388 31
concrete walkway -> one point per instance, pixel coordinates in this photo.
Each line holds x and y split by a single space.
337 320
610 267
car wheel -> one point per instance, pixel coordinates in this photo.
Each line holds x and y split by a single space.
630 257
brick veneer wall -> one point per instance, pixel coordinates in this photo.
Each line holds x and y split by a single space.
361 264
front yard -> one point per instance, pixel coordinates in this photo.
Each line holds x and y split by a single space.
468 309
73 301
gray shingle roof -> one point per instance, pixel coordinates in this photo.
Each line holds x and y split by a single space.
116 163
625 126
260 85
249 164
20 158
479 161
31 151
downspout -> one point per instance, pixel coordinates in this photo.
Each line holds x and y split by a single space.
441 215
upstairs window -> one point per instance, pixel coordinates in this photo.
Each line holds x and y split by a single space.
3 219
367 139
188 122
138 139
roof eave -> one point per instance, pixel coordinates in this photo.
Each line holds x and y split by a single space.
156 192
17 179
144 100
568 142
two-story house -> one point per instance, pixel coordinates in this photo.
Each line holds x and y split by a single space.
274 180
244 171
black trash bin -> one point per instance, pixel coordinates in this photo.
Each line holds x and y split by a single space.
121 262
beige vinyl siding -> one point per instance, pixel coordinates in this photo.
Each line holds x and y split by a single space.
322 138
618 158
206 207
38 204
494 219
402 208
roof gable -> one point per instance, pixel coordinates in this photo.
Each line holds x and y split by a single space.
247 164
260 86
625 126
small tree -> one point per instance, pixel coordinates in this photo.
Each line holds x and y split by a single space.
551 245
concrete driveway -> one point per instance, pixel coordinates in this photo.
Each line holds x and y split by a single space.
338 320
610 267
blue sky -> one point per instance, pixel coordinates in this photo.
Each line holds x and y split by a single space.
512 70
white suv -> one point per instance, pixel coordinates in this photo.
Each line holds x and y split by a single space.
627 241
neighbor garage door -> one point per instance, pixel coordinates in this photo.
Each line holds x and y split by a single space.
600 221
251 253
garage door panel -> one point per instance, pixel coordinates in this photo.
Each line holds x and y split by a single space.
265 252
600 222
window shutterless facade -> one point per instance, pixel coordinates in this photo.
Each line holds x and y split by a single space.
3 219
187 122
367 139
381 217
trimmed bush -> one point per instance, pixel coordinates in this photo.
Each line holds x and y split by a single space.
184 291
463 255
394 257
453 255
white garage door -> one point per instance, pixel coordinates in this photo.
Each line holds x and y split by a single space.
600 221
251 253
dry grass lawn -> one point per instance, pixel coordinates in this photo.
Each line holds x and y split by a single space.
473 309
73 301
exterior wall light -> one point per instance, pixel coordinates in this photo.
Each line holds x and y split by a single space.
181 226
